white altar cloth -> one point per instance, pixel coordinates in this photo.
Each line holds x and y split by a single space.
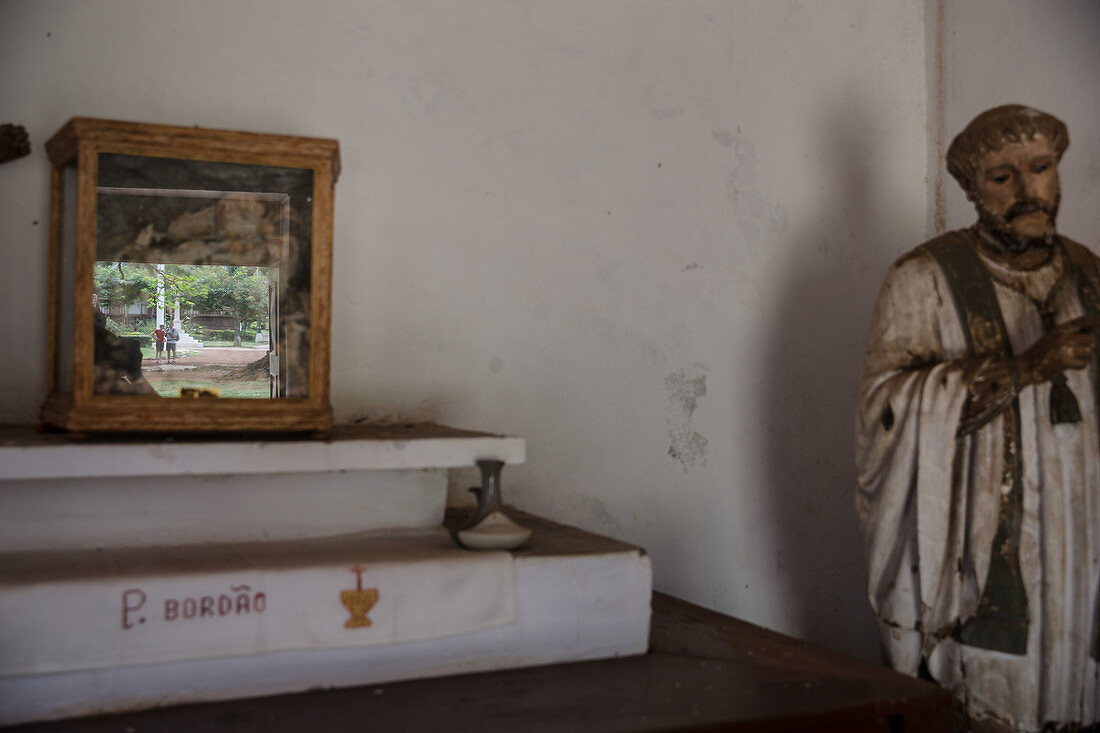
87 609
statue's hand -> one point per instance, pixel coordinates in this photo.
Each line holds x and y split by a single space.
992 383
1068 345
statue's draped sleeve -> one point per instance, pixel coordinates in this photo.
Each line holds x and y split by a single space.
927 496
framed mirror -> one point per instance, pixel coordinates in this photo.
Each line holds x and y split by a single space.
190 279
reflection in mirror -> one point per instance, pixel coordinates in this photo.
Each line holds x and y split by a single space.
201 278
201 330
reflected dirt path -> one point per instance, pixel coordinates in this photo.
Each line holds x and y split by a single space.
225 369
213 355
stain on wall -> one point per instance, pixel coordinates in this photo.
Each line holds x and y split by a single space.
684 389
724 138
748 205
592 513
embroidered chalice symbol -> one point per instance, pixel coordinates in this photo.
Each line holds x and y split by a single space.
358 601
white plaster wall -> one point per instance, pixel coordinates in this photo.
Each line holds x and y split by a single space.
644 235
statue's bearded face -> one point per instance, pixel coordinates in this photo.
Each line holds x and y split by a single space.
1017 194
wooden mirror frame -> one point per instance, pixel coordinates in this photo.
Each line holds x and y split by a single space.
71 403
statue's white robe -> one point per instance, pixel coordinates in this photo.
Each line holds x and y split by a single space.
928 502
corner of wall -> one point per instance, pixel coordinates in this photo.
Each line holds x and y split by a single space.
935 36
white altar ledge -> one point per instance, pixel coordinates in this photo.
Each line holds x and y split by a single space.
577 596
27 454
58 492
74 610
140 572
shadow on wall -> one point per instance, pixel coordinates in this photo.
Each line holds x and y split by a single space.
814 360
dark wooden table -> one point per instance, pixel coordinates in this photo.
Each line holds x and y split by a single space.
704 671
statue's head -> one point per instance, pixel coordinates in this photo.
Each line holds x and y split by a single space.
1007 162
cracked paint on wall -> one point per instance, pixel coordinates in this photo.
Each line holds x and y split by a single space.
684 388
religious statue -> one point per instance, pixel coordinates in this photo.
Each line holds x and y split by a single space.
977 444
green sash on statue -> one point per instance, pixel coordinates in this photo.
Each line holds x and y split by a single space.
1001 620
1000 623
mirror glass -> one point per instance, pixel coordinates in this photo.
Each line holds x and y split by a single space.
202 278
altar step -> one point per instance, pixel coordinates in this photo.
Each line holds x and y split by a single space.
86 631
138 572
60 493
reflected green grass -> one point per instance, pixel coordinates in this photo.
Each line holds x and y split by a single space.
250 390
